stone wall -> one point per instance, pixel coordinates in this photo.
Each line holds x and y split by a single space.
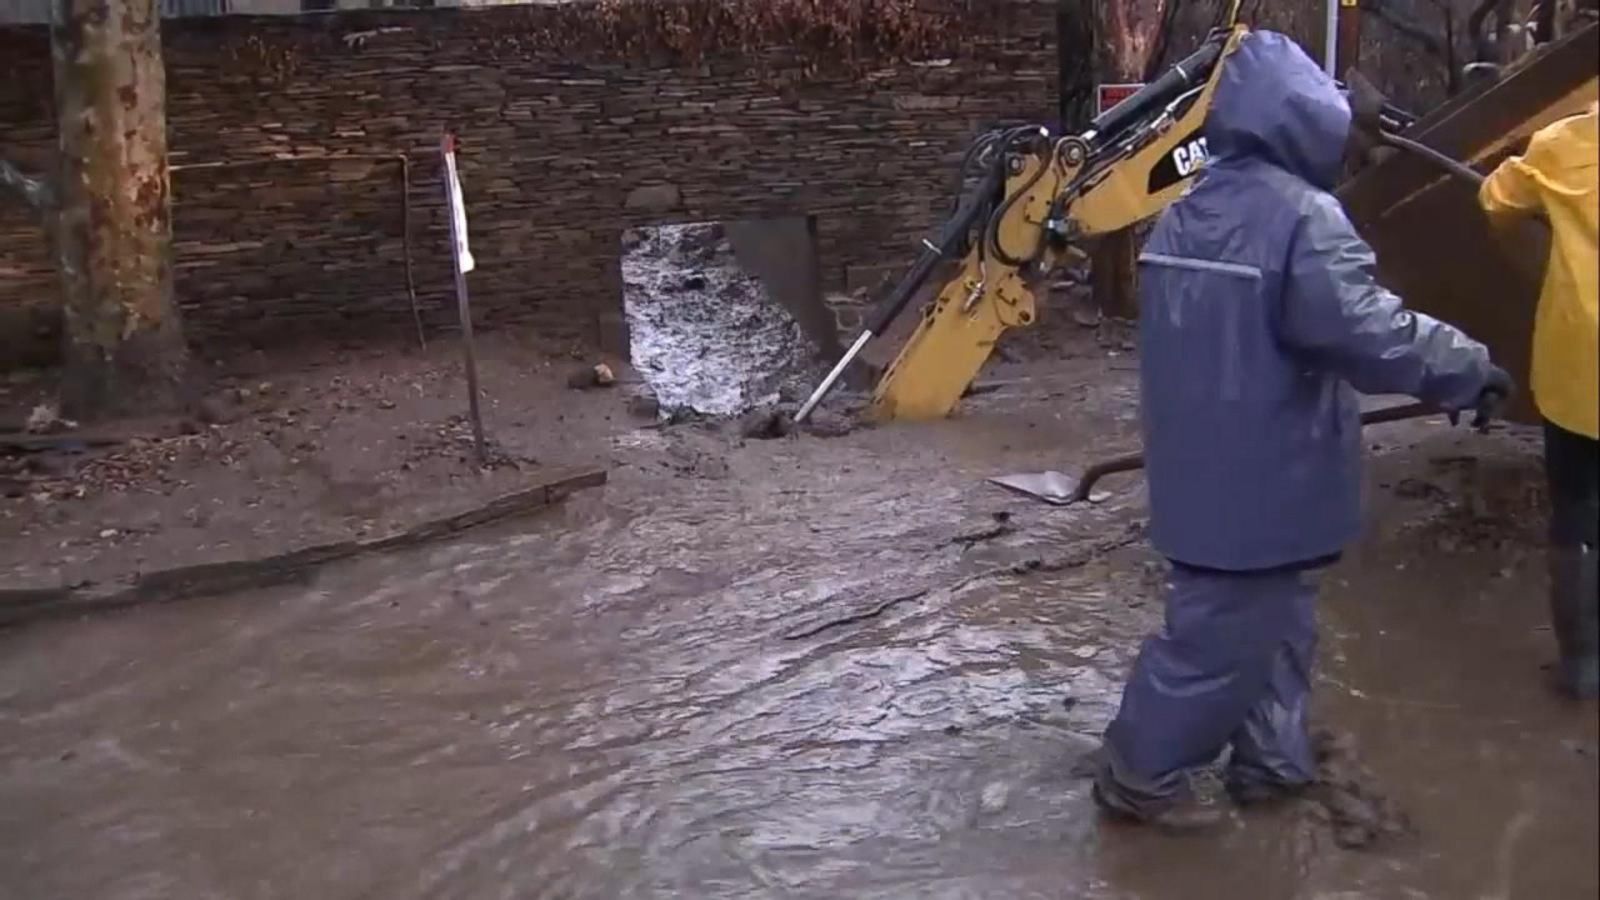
561 149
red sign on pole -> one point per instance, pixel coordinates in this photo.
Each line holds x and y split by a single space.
1109 95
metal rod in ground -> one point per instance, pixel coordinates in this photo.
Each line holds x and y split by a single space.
470 359
833 376
463 301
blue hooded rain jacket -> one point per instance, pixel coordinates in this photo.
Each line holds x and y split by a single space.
1260 319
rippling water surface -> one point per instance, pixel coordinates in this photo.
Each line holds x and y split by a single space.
603 703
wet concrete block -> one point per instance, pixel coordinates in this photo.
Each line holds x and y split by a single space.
783 254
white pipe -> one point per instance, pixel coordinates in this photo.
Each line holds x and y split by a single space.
1330 48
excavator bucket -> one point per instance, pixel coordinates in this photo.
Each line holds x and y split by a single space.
1434 246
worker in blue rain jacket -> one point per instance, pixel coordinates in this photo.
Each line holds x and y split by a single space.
1260 320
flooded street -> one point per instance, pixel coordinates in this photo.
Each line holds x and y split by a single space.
796 668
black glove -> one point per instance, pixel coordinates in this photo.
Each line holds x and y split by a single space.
1498 389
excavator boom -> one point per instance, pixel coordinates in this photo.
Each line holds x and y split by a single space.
1035 196
1132 162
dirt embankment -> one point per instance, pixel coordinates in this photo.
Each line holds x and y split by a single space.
290 450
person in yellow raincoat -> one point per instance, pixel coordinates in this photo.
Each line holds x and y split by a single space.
1556 180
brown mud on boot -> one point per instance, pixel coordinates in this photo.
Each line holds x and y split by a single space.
1253 795
1185 816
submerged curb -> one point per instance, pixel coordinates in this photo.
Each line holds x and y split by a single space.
23 605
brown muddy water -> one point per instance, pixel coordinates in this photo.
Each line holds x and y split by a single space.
607 702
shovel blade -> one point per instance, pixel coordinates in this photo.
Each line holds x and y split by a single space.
1055 488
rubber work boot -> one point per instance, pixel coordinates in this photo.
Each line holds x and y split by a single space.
1575 617
1254 794
1186 815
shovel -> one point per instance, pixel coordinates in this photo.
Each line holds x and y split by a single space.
1061 489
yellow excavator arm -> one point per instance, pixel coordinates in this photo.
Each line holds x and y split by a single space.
1036 196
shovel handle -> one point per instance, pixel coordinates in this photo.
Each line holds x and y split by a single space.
1133 462
1448 164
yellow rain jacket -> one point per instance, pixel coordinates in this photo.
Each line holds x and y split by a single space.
1557 177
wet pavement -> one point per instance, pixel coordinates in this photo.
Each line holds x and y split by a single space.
608 701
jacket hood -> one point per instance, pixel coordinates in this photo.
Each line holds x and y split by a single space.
1273 103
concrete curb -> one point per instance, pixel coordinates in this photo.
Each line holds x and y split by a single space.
20 606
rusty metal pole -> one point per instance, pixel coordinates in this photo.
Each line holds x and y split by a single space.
1348 51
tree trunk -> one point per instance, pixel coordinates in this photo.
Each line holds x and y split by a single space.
124 345
1116 275
1076 51
1133 35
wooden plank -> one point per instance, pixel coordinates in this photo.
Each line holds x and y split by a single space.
28 604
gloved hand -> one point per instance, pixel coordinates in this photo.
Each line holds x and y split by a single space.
1498 389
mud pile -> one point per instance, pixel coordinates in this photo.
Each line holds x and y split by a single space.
1346 797
706 336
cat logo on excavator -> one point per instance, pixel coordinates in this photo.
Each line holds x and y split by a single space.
1190 157
1038 195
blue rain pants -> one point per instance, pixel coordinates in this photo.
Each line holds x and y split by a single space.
1231 669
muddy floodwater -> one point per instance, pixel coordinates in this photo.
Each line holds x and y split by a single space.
796 668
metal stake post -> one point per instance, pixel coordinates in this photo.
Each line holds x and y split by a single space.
447 148
1330 47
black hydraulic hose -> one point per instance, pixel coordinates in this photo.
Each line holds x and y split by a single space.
951 237
1449 164
991 232
990 238
990 143
965 169
1158 94
973 208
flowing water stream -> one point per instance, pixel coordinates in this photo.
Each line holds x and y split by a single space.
607 702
